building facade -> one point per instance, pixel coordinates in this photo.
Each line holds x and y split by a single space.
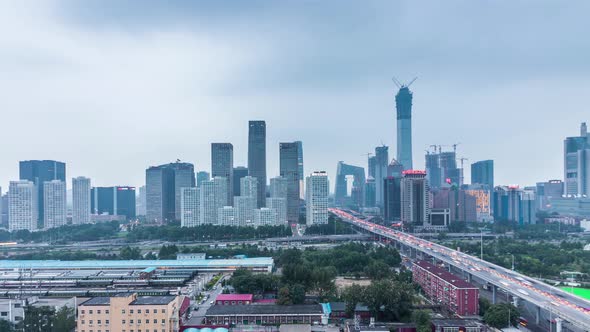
317 198
257 158
278 187
381 163
202 176
54 194
482 172
289 169
576 162
239 173
245 206
446 289
22 206
226 216
163 190
249 187
392 198
279 205
222 165
129 312
415 198
190 205
213 197
265 217
81 203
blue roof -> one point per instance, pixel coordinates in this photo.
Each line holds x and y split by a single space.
149 270
326 308
137 264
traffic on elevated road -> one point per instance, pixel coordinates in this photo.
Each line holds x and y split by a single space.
569 307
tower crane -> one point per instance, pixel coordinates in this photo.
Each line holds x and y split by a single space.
455 147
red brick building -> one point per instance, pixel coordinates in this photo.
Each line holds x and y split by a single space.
446 289
233 299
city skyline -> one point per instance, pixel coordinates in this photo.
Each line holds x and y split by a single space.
503 78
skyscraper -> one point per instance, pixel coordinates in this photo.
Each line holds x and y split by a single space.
317 198
22 205
40 171
576 161
301 171
208 203
450 174
141 201
482 172
415 200
370 192
54 194
289 169
547 191
392 198
125 199
278 187
279 205
403 105
114 201
163 190
226 216
239 173
341 196
222 165
433 171
190 207
257 157
249 187
81 200
381 162
245 206
371 163
202 176
265 217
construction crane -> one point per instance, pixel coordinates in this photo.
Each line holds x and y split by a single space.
401 85
455 147
433 147
462 159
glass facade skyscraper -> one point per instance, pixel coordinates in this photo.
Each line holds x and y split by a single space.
163 190
222 165
482 172
257 157
289 169
40 171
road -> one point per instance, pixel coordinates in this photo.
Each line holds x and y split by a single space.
198 315
568 307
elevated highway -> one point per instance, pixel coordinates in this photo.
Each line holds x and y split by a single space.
562 305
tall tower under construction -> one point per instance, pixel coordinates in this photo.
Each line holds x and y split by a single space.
403 105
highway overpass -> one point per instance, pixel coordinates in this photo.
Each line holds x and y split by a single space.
563 305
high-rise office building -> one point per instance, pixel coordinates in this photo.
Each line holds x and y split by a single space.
239 173
301 170
40 171
226 216
317 198
460 203
208 203
4 212
222 165
415 200
450 174
265 217
392 198
278 187
483 201
163 190
125 200
433 171
370 195
403 105
81 203
249 187
279 205
202 176
190 207
576 162
54 194
22 205
547 192
356 197
381 163
114 201
141 201
371 164
245 206
257 157
482 172
289 169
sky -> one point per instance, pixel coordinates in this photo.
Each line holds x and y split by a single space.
112 87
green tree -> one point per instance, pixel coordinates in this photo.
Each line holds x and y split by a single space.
352 296
38 319
297 293
6 326
484 305
422 320
284 296
499 315
65 320
377 270
130 253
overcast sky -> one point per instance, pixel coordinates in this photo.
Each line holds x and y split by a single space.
112 87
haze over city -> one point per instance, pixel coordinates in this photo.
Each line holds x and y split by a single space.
112 87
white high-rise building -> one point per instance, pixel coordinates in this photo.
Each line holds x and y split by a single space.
265 217
245 206
249 187
317 198
54 203
190 205
80 200
141 201
278 204
226 216
208 204
278 187
22 206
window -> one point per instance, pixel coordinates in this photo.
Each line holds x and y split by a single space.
90 312
147 311
139 311
130 311
131 321
98 312
83 322
122 311
99 322
155 311
163 321
147 321
123 321
106 312
138 322
90 322
163 311
106 321
82 311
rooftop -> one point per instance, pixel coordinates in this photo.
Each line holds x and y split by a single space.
153 300
112 264
234 297
445 275
455 323
269 309
101 300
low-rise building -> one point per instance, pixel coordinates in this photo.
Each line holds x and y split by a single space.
128 312
446 289
234 299
196 255
262 314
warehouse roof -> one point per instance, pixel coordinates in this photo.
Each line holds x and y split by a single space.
444 275
268 309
